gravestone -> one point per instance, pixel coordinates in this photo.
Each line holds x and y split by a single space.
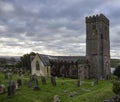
62 83
92 83
16 86
32 77
6 75
115 98
43 80
78 83
2 88
10 76
63 77
29 83
11 88
19 82
56 98
36 87
25 82
20 73
71 94
53 81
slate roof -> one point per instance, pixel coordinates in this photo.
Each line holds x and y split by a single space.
46 58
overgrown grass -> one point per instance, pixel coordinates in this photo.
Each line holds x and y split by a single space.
86 93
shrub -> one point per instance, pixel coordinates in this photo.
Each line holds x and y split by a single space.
113 77
116 87
117 71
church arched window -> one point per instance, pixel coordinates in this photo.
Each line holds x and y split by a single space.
37 65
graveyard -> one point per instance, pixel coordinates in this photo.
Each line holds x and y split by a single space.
66 90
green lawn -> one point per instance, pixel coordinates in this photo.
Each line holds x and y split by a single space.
86 93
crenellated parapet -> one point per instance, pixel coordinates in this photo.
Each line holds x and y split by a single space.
97 18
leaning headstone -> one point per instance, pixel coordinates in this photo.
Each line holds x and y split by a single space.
53 81
43 80
56 98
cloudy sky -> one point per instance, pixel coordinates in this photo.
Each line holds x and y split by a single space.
55 27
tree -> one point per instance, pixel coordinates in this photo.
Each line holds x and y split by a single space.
25 61
3 62
117 72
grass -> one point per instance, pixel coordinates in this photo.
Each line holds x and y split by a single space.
87 93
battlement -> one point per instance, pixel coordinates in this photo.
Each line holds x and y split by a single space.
97 18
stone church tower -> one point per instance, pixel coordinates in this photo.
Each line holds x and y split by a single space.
98 46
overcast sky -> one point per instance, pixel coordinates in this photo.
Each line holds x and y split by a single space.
54 27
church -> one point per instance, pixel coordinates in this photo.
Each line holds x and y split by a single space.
96 63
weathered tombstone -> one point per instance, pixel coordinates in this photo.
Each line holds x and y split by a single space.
53 81
71 94
79 79
2 88
62 83
63 76
16 86
95 82
65 91
6 75
92 83
11 88
36 83
19 82
43 80
56 98
10 75
79 83
29 83
25 82
32 77
20 73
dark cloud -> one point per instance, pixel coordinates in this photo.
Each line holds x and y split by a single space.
53 26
